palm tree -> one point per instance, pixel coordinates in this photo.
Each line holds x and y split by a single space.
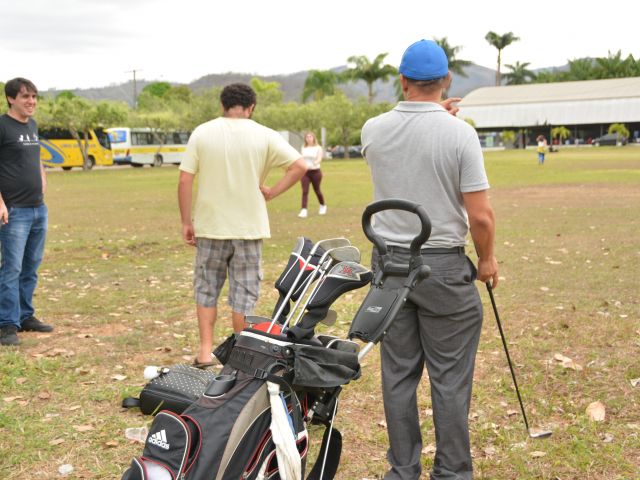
581 69
561 133
455 65
319 84
369 71
519 74
500 42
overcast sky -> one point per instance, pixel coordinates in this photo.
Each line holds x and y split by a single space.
67 44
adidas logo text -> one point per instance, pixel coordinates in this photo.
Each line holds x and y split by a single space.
159 439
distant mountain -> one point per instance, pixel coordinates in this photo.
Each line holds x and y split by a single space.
291 85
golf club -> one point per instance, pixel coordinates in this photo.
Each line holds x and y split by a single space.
331 256
537 434
326 244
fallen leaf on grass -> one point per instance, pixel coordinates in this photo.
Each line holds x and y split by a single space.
607 438
596 411
57 441
163 349
74 407
567 362
119 377
635 382
11 399
111 443
511 413
538 454
490 451
83 428
178 335
44 395
21 380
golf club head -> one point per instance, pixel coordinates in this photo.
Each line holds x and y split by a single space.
345 254
540 433
330 243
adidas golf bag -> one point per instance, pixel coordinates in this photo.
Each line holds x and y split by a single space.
236 429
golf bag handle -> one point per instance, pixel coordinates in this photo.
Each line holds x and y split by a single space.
378 241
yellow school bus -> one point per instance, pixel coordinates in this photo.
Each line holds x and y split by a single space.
58 148
143 146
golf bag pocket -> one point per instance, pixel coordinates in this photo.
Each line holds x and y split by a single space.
223 350
174 390
171 448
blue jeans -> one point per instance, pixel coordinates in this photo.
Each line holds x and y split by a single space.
22 247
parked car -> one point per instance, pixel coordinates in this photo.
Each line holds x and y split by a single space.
355 151
610 139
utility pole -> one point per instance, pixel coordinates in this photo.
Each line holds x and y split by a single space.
135 88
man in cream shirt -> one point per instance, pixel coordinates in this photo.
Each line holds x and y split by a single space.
232 156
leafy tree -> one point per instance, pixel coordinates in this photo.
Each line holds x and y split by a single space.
157 89
319 84
77 115
561 133
619 129
267 93
456 65
581 69
500 42
611 66
370 72
519 73
508 137
204 107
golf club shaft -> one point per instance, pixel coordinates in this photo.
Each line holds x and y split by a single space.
506 351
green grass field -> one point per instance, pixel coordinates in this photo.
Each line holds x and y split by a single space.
116 283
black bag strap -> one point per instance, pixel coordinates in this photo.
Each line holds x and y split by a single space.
130 402
334 445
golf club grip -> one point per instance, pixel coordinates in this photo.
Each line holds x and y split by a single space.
396 204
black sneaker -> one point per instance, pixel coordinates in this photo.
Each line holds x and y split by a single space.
9 335
32 324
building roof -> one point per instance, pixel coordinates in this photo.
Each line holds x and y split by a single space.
562 103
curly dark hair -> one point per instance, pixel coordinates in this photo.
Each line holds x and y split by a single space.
237 94
13 87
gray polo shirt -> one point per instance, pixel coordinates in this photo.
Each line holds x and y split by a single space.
419 152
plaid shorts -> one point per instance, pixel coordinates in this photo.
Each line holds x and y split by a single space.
242 259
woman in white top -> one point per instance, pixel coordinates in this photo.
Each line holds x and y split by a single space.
312 154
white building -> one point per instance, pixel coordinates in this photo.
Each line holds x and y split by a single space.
586 108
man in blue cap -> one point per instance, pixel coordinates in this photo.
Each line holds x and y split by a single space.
420 151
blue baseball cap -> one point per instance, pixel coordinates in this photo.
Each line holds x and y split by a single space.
424 60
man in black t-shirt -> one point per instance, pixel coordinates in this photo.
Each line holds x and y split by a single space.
23 214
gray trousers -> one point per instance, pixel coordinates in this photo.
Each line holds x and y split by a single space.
440 327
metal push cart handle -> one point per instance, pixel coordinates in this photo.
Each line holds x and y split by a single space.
386 265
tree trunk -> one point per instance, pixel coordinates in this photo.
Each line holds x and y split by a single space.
498 77
82 145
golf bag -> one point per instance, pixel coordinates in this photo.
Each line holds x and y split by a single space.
249 423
